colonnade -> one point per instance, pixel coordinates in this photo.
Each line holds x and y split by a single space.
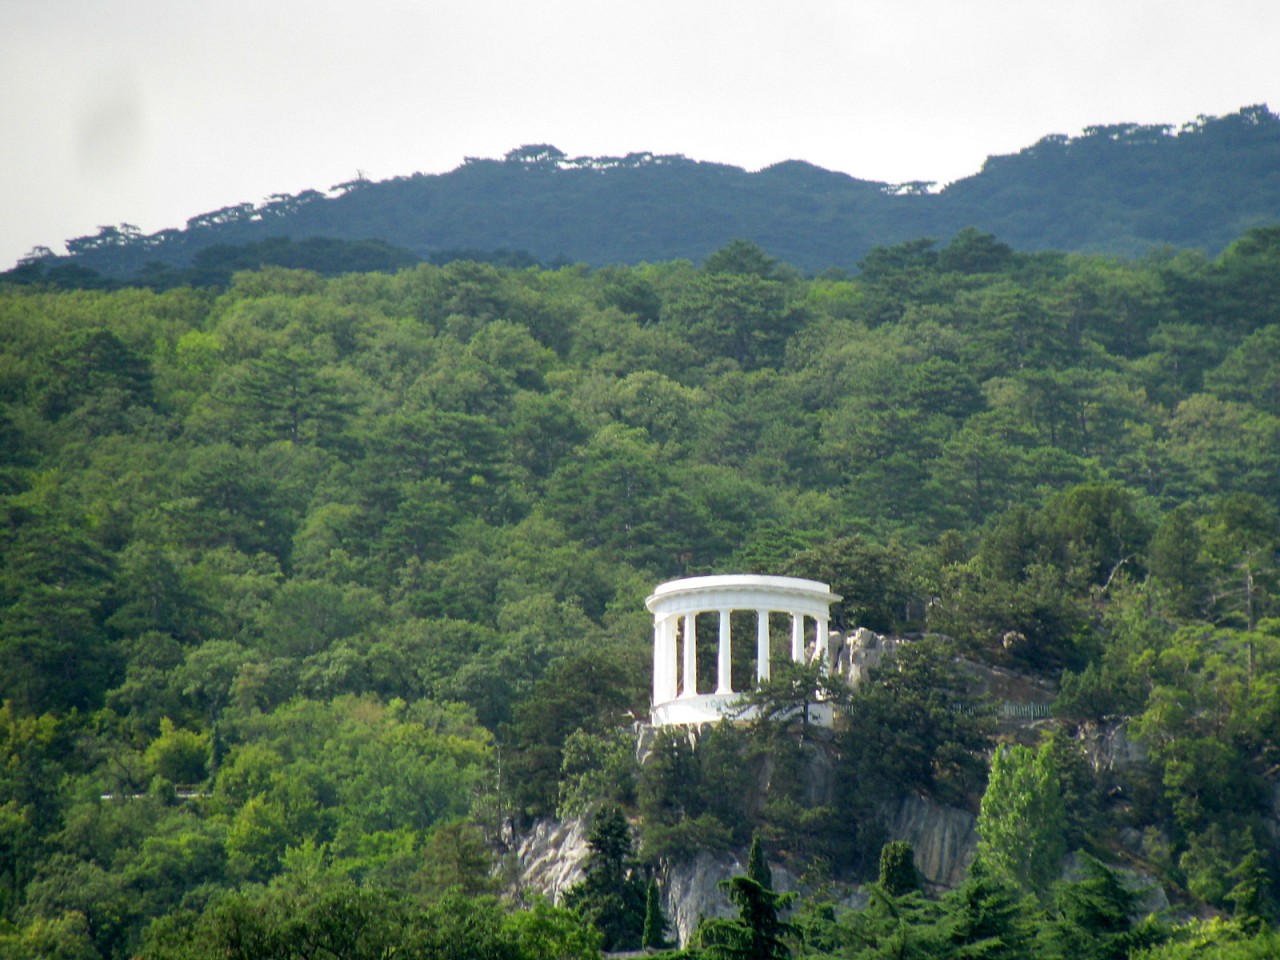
675 607
676 640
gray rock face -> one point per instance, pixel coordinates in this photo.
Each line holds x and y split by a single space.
691 891
1108 746
855 656
549 859
945 839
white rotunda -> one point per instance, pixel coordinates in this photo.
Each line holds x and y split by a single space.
676 605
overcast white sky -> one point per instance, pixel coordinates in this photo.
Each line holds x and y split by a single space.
151 111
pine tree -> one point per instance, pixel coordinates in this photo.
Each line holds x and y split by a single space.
1248 895
758 933
1093 918
986 919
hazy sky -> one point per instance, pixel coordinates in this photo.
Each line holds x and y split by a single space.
151 111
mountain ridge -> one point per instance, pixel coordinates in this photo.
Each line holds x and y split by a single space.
1119 189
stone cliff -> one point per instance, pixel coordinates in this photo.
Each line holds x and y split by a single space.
944 839
549 858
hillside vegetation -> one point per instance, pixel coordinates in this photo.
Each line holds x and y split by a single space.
309 583
1119 189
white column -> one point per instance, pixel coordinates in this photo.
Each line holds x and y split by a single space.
671 664
672 654
724 666
659 664
823 644
797 637
690 655
762 645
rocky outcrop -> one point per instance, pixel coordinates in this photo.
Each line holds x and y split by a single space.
549 859
945 839
862 651
692 890
1108 746
1007 686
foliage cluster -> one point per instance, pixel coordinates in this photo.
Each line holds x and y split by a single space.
333 574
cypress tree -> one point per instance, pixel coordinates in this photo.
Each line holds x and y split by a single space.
655 923
898 873
757 866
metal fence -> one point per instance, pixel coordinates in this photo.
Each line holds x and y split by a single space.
1009 710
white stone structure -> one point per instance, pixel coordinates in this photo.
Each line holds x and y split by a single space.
675 605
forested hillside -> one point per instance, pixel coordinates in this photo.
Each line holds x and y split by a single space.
1120 189
310 583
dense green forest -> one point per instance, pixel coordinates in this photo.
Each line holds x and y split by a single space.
1121 189
311 583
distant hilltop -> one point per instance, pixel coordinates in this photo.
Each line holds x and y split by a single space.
1121 189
